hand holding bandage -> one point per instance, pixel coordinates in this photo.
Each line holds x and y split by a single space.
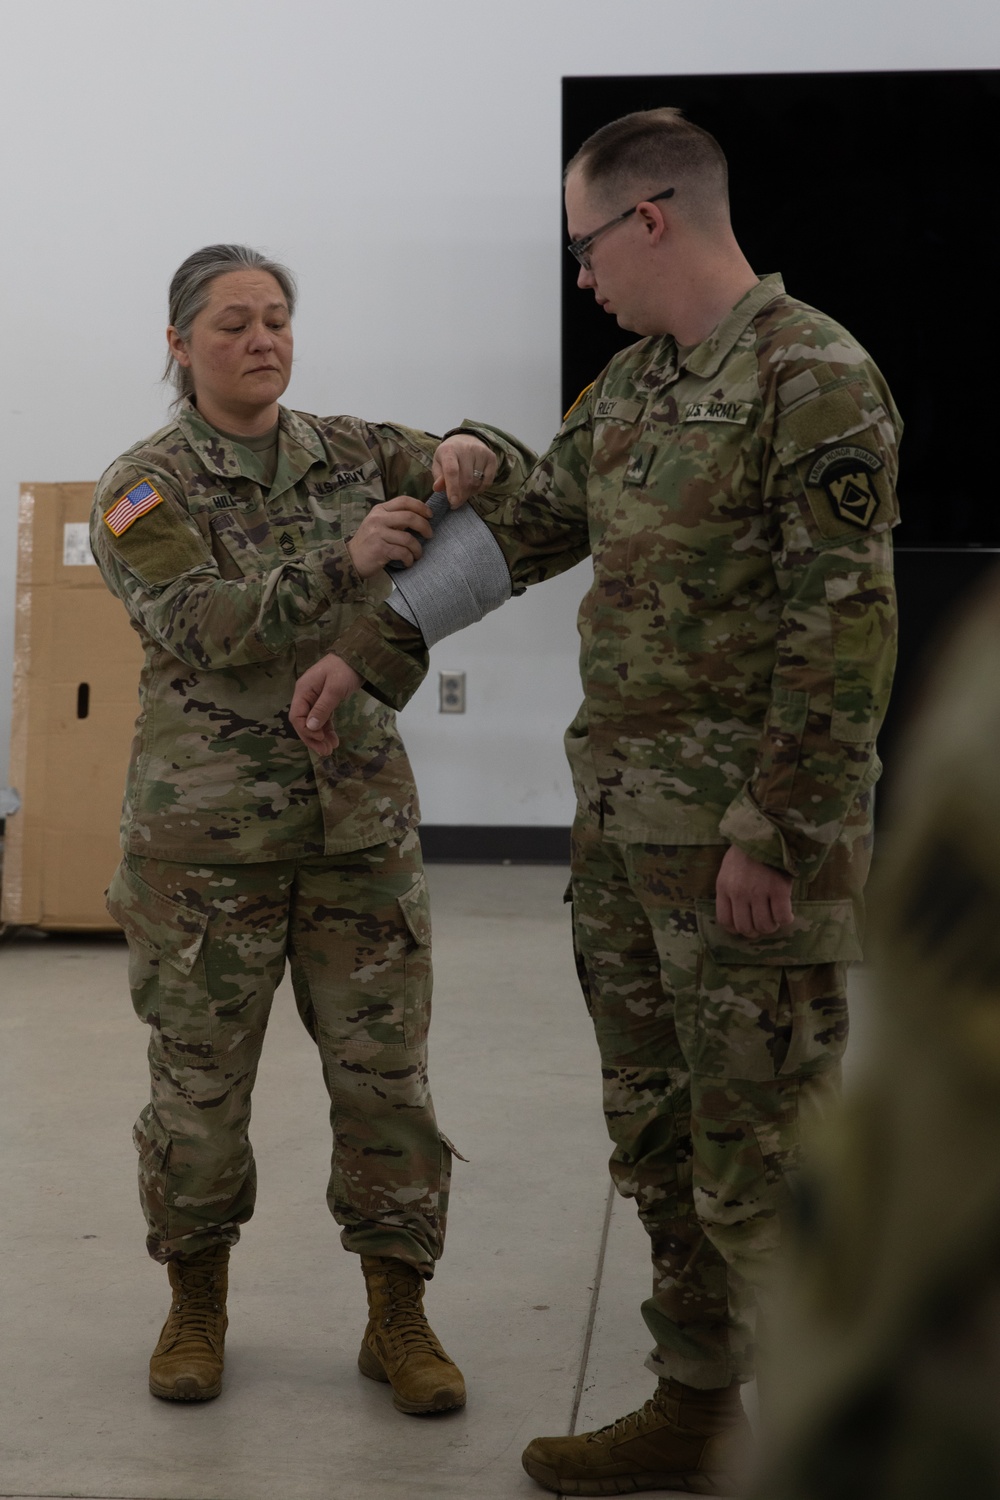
390 535
463 465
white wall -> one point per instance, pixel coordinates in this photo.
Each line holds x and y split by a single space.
404 159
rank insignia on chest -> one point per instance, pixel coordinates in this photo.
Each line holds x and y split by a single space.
847 475
142 497
639 463
287 543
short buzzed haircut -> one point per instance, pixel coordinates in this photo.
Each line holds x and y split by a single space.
654 149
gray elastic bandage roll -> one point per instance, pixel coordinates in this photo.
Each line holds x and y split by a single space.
460 577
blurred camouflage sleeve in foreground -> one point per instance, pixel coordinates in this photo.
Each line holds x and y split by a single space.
883 1374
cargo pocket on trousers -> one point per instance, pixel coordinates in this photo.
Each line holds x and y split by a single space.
773 1007
166 974
582 973
153 1144
745 1141
414 906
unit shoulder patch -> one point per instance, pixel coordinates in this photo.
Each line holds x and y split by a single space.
847 474
127 509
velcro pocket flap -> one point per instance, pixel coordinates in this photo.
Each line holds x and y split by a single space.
415 906
451 1146
152 920
827 418
229 526
822 932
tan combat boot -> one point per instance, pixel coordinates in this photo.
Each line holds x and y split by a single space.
187 1362
399 1346
682 1439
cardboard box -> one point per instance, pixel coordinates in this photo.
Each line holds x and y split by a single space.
76 679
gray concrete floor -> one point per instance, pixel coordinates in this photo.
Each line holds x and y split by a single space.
537 1297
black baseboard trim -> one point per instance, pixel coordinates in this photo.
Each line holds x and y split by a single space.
493 844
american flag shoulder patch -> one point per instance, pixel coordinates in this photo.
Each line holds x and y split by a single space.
129 507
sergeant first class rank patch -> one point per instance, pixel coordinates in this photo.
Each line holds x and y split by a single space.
134 503
846 474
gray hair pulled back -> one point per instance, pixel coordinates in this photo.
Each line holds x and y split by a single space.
189 291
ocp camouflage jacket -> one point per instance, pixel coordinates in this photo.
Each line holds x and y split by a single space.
235 588
738 640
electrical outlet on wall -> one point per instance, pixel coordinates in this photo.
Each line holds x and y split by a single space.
451 692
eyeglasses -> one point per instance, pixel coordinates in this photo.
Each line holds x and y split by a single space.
581 247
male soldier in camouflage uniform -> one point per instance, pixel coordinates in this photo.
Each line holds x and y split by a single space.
242 539
732 476
883 1382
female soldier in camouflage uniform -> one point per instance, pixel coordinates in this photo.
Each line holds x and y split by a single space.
242 538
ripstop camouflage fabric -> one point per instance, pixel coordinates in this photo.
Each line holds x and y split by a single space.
235 588
714 1049
883 1379
737 650
244 852
738 640
208 947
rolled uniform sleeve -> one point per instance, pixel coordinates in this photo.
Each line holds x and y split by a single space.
829 493
388 654
163 569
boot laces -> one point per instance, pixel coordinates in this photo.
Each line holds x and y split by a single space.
629 1426
196 1309
405 1316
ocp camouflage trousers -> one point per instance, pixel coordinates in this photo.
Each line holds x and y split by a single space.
713 1049
207 949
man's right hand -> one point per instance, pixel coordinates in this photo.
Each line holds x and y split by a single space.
321 689
752 900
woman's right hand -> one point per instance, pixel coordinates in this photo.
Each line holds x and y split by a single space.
385 535
321 688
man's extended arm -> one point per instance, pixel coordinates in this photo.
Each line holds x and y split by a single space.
541 530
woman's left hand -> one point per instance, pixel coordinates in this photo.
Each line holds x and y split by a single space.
463 465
